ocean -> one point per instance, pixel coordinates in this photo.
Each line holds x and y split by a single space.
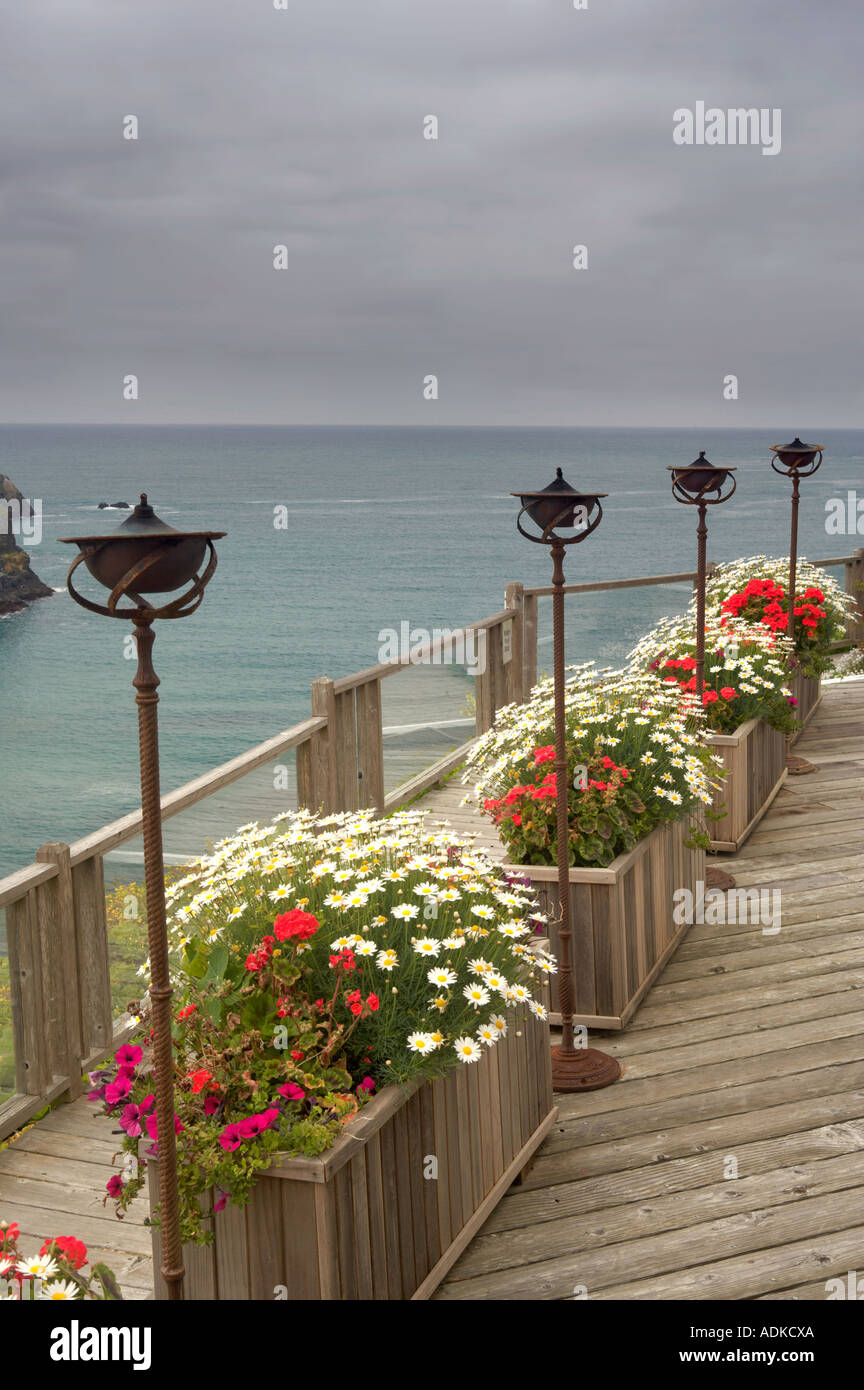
378 526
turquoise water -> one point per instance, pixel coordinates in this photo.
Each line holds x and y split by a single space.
383 526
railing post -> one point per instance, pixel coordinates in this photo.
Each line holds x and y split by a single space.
32 1074
55 910
316 772
515 601
855 588
370 745
529 644
343 751
91 938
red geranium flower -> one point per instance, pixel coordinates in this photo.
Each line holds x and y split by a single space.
295 923
74 1251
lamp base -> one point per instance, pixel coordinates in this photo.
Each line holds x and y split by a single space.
797 767
718 878
585 1069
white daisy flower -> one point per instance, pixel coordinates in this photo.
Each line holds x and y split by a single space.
499 1023
441 976
404 911
467 1050
427 946
421 1042
59 1289
387 960
37 1267
487 1033
476 995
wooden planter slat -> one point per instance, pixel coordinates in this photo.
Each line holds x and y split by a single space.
622 922
808 693
755 761
363 1222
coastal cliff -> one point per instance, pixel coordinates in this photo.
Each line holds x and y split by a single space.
18 584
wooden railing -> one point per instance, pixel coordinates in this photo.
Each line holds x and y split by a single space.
56 921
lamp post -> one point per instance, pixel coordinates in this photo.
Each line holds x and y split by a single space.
573 1069
701 485
145 556
796 461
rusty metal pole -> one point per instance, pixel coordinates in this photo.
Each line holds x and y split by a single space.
573 1069
146 683
793 555
562 786
702 543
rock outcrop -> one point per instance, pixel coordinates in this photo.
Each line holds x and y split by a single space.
18 584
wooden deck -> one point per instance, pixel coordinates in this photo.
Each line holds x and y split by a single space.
749 1047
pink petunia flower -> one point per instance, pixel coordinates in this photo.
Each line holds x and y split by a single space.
231 1138
129 1055
133 1116
117 1090
256 1124
291 1091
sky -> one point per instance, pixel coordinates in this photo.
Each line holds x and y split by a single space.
408 257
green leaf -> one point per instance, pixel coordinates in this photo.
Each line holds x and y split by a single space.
110 1288
217 965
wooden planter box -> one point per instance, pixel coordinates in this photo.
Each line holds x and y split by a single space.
621 919
808 693
364 1221
755 761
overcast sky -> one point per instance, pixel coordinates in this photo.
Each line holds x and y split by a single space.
409 257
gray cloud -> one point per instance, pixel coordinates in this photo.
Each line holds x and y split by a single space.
408 256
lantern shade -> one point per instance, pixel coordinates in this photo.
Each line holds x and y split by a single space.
545 508
111 556
797 454
700 477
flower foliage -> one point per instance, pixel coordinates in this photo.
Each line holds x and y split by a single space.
636 758
57 1272
745 669
756 590
314 961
